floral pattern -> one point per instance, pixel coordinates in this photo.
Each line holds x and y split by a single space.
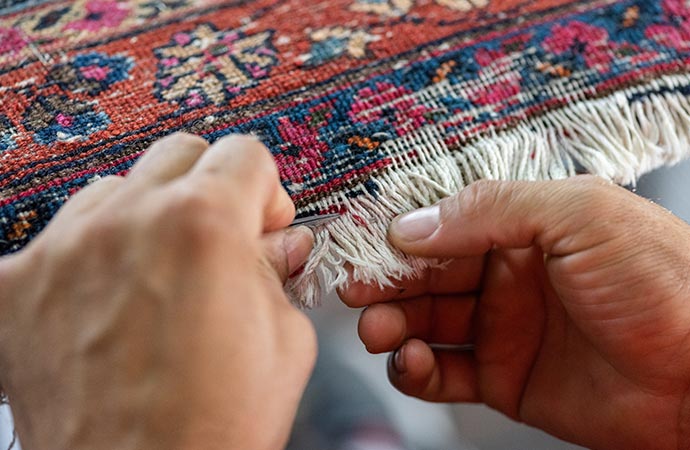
301 153
400 109
101 14
92 72
677 34
331 43
56 118
11 40
576 37
206 66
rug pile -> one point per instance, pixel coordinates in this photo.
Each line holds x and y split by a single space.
370 107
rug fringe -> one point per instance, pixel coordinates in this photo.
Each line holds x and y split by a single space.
611 137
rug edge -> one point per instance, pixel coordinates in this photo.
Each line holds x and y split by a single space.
618 137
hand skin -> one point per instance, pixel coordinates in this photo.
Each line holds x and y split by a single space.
150 313
576 294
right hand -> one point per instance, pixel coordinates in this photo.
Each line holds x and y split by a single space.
576 295
150 313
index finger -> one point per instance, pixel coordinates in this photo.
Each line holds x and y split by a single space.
458 276
248 170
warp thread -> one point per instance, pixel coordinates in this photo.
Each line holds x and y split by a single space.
613 137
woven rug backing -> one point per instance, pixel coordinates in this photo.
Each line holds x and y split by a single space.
370 107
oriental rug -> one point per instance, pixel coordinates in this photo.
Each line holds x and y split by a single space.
370 107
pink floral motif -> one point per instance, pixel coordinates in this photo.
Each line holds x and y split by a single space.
101 14
678 8
396 105
485 56
206 65
304 155
594 40
94 72
11 41
64 120
496 93
668 36
677 37
182 38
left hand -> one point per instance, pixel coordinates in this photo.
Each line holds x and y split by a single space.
150 313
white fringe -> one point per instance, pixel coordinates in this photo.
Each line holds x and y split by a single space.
609 137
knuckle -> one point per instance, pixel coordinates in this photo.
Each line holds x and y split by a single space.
265 166
262 160
591 180
187 140
191 199
472 201
246 140
271 269
111 179
102 235
193 214
100 227
594 194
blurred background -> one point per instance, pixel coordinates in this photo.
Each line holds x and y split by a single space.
349 404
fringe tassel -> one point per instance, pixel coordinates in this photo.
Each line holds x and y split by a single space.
613 137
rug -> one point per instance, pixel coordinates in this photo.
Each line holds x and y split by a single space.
370 107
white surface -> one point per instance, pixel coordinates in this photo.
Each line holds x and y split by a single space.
6 428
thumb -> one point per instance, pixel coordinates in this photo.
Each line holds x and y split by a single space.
520 214
287 250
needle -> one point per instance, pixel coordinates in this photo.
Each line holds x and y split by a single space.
314 221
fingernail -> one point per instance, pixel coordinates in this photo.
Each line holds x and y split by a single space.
399 360
417 225
298 242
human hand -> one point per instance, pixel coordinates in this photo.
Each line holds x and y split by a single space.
150 312
576 296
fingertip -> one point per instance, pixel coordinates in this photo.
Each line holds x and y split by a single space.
414 227
381 327
437 376
241 139
411 367
357 294
181 139
283 211
168 158
256 150
248 167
